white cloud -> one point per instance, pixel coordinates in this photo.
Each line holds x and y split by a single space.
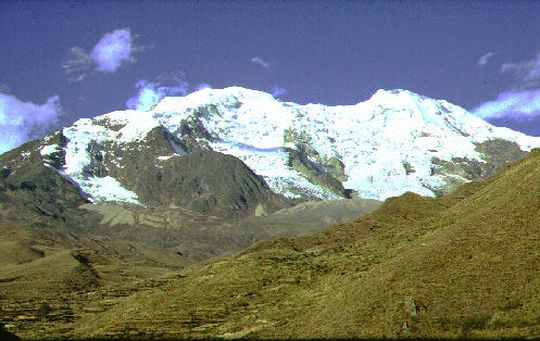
23 121
518 105
112 51
79 66
278 91
523 101
202 86
149 94
527 72
483 60
259 61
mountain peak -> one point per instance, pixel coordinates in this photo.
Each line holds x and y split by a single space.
397 92
228 96
401 99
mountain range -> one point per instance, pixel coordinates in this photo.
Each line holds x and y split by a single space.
396 141
137 205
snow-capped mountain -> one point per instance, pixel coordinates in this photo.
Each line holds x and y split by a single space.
396 141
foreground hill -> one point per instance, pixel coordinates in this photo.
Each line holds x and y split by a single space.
463 265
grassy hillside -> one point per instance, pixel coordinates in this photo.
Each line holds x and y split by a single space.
464 265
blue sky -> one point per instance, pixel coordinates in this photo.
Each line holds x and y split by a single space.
65 60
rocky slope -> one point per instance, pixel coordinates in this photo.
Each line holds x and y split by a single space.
396 141
156 172
32 193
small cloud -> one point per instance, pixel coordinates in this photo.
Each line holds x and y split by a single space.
520 105
150 93
523 101
79 66
202 86
24 121
112 51
278 91
482 61
261 62
527 72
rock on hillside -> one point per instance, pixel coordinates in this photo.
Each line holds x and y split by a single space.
204 181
